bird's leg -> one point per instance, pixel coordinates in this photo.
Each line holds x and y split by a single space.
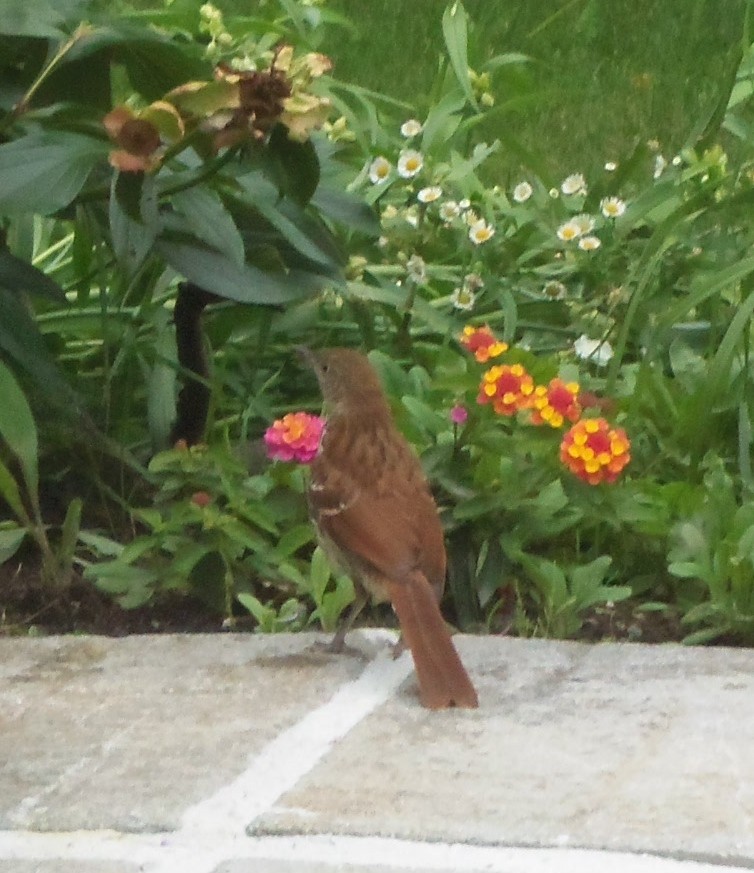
337 644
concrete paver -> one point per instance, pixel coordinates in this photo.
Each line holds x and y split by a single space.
609 746
235 753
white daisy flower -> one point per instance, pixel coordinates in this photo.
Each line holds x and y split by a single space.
473 281
379 170
612 207
411 128
589 243
598 352
463 298
464 204
411 215
660 164
410 163
522 192
429 194
677 161
416 269
480 232
584 222
554 193
389 212
574 184
554 290
611 166
569 231
449 210
471 217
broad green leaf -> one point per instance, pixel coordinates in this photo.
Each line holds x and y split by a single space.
17 427
210 221
214 272
43 172
266 200
155 63
295 165
133 240
40 18
348 210
17 275
21 341
10 542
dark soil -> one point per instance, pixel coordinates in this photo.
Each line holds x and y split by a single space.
26 609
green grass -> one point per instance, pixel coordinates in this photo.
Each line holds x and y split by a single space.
604 73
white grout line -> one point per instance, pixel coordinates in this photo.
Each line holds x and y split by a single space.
297 750
213 831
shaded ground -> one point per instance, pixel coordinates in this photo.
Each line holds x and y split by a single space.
25 609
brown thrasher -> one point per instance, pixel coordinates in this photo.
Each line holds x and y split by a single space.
377 520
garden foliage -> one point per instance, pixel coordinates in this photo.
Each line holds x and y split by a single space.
571 360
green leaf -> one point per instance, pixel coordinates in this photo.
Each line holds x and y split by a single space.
133 239
319 575
43 172
266 200
18 275
214 272
21 341
155 63
395 296
455 31
348 210
17 427
133 586
40 18
10 542
295 165
294 539
210 221
11 493
70 532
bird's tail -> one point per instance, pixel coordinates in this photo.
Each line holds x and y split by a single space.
443 680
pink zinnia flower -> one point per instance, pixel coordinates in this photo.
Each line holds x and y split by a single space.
294 437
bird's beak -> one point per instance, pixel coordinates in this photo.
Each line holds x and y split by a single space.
307 356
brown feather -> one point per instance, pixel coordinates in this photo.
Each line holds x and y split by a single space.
377 520
443 680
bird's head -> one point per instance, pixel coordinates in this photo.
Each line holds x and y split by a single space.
346 378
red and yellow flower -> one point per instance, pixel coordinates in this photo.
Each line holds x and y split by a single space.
594 451
508 387
555 403
482 343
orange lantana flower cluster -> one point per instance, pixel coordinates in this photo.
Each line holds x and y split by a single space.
554 403
508 387
592 449
482 343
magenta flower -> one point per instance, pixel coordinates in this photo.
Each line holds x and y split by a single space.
459 414
294 437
